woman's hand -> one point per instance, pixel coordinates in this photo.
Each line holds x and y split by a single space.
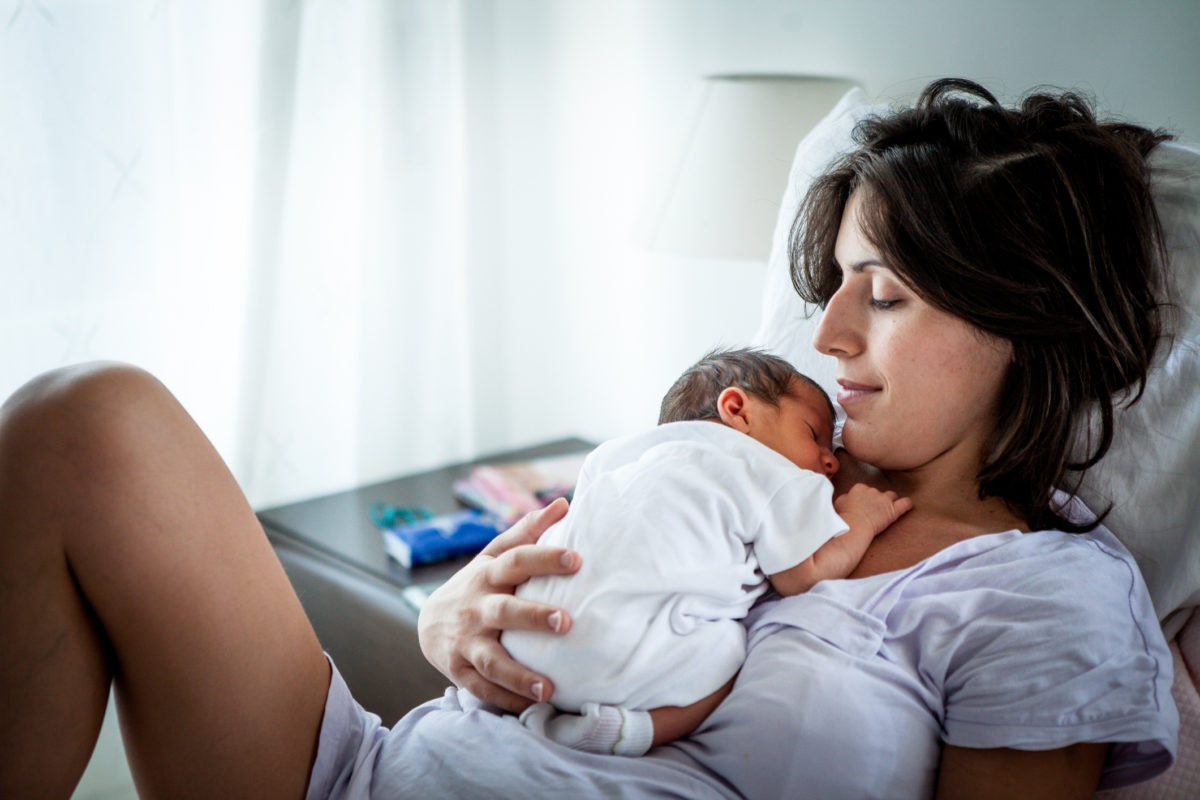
460 624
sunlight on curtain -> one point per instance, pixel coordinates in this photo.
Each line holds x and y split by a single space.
355 238
124 193
258 201
357 366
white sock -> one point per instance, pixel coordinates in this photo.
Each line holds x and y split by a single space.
599 729
637 733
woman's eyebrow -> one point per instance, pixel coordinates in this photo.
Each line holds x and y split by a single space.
860 266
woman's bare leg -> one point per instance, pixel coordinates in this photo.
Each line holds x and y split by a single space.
128 555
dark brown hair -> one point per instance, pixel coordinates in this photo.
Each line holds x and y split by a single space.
767 377
1034 224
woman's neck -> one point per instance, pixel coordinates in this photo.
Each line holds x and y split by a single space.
953 498
945 487
946 509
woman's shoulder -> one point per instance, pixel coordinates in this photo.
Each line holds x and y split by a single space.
1060 634
1028 640
1092 571
1056 580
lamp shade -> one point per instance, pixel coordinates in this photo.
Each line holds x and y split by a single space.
723 199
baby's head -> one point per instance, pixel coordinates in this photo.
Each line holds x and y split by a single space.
762 396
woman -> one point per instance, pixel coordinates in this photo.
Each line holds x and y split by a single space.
987 275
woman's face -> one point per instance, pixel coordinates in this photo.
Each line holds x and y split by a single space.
919 386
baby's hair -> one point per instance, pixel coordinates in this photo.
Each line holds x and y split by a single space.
767 377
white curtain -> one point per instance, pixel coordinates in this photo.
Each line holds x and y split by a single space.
262 203
358 311
355 237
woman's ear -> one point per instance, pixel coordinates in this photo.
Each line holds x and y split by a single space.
733 407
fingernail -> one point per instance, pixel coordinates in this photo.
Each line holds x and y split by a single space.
537 690
555 621
567 559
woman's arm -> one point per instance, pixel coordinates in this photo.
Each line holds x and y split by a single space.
460 624
1062 774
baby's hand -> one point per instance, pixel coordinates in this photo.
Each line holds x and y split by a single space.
873 509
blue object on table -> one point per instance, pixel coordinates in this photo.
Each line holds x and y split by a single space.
442 537
386 515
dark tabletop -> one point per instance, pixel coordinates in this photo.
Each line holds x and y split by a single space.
340 524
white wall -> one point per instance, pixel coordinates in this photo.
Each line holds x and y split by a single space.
577 104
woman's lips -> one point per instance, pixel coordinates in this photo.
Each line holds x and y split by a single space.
851 392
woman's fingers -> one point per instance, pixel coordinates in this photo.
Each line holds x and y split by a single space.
492 676
504 612
524 562
495 694
528 529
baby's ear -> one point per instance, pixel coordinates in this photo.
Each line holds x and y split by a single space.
733 406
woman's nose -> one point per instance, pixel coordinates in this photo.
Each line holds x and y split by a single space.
836 332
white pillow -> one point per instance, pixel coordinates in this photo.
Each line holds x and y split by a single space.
788 322
1151 474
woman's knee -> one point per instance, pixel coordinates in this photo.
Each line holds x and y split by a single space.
78 382
73 410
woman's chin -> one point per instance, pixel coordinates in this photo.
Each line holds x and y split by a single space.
869 449
857 443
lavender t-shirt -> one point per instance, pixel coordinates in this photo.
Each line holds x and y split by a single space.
1029 641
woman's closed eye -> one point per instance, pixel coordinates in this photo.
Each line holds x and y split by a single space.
885 291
